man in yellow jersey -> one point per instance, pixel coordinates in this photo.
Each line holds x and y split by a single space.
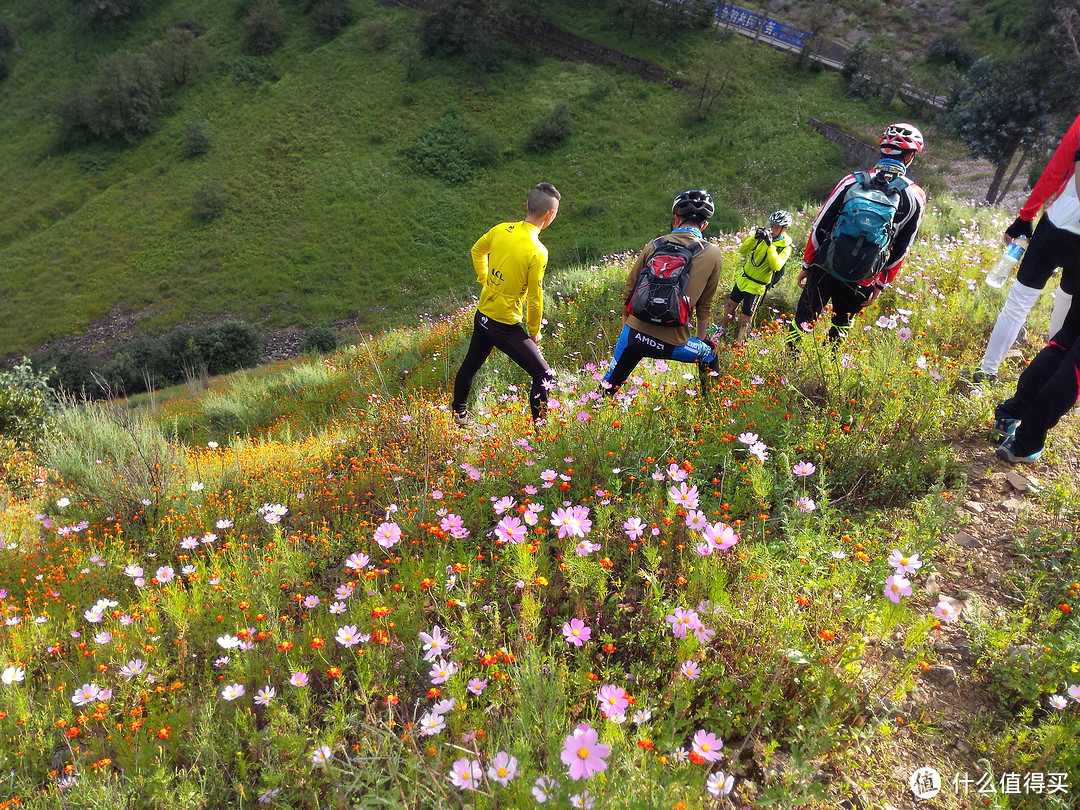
510 261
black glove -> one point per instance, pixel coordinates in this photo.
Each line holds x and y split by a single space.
1021 227
764 235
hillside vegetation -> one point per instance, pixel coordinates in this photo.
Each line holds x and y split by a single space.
308 204
304 589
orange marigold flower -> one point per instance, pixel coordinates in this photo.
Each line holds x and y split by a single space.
317 643
392 699
1065 607
826 635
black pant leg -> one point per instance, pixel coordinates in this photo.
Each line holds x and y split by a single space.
480 347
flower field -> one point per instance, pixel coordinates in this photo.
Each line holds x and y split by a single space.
304 588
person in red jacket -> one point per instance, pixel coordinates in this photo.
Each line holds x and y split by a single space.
897 146
1055 242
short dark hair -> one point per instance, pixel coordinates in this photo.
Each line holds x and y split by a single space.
541 198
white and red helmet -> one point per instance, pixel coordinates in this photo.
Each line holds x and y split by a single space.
900 138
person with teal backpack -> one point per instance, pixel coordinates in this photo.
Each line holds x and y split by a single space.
765 254
860 237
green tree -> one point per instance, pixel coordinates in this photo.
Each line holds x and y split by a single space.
107 12
127 95
264 28
179 54
468 27
1001 110
26 401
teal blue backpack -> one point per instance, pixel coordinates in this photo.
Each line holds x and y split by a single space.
859 242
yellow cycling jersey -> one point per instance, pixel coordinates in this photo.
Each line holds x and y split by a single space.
510 261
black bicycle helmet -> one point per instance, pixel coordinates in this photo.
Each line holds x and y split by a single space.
693 204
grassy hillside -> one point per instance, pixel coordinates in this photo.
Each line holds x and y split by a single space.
324 217
229 599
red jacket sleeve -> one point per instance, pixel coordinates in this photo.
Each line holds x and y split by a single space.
1056 174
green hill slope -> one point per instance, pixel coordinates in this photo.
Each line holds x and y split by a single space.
323 215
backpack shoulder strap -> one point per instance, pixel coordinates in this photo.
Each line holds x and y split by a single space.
900 183
863 179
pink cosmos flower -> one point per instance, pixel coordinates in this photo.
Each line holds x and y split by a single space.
805 504
388 534
321 755
454 525
477 686
544 788
803 469
465 773
904 563
634 528
435 643
586 547
684 496
504 503
612 700
584 754
944 611
696 520
432 723
442 670
511 530
233 691
503 768
1058 702
1074 692
347 635
165 574
691 670
299 679
676 473
87 693
720 785
265 695
681 621
576 632
707 746
572 522
357 561
720 535
897 586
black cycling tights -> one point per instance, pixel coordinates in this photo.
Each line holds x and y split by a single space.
513 341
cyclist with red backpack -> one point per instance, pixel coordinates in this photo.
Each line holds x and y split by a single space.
861 236
672 282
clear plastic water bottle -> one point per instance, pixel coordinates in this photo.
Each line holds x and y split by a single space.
1010 257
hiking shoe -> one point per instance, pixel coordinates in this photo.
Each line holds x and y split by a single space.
1003 429
980 377
464 421
1007 452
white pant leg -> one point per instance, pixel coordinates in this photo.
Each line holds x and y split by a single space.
1062 302
1009 322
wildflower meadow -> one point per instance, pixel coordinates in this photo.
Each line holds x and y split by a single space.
303 588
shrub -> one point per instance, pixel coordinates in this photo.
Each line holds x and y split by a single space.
228 346
948 48
196 139
208 201
127 95
254 70
107 12
71 370
331 17
25 403
264 28
320 340
179 53
547 133
447 150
